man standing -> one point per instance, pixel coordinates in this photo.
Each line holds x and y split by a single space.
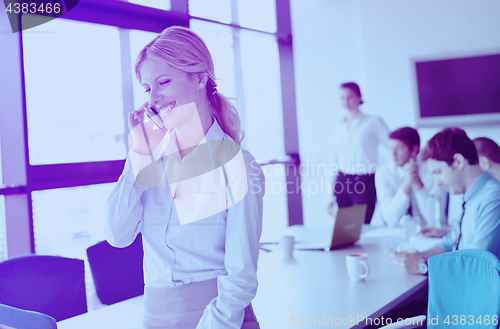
453 160
406 184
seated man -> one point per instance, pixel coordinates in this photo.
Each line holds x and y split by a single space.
453 160
489 155
406 184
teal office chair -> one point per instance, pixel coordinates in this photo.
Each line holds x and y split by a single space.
21 319
464 291
465 283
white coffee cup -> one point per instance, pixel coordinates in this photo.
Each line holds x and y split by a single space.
286 244
357 266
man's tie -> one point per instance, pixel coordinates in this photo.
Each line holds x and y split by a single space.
459 233
410 210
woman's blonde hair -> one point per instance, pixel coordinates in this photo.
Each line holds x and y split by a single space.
184 50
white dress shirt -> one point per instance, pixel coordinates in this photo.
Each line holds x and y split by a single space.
197 220
355 148
393 202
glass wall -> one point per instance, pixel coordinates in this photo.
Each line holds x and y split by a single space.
69 220
80 84
275 217
257 14
138 39
262 104
216 10
219 40
73 93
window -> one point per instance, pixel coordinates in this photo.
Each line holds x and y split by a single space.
265 10
258 99
160 4
262 97
275 217
77 92
138 39
219 41
217 10
67 221
73 93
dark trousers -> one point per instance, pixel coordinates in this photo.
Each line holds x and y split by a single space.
351 190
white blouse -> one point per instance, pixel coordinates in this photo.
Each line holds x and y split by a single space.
200 218
354 149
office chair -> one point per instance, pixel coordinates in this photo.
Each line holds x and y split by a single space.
117 272
51 285
464 290
464 283
21 319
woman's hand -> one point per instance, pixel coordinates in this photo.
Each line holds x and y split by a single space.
137 141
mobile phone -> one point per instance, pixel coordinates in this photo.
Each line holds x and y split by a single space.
153 114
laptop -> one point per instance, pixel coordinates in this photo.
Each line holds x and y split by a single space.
346 231
348 224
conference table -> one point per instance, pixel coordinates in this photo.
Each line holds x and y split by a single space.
311 287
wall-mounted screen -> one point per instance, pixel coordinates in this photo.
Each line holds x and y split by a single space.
458 91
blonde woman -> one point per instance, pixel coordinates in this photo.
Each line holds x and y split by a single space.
191 191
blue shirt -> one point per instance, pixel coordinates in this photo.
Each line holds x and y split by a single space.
481 221
198 222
